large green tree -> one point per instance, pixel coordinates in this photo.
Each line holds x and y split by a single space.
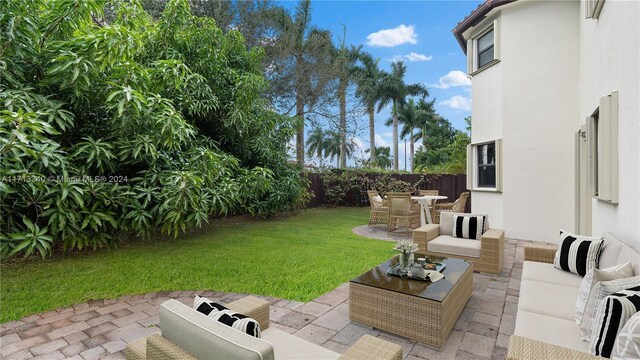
411 117
109 128
316 144
301 68
345 59
395 91
369 79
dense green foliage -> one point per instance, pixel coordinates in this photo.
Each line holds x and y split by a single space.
349 188
444 148
297 258
131 125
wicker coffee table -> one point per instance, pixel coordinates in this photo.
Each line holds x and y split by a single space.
422 311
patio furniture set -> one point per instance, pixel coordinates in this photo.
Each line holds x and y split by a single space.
403 211
424 311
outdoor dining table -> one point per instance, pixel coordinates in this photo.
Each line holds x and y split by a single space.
426 202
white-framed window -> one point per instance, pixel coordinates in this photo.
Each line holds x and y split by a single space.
602 132
484 166
483 49
592 8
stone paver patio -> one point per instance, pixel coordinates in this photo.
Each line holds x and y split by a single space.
100 329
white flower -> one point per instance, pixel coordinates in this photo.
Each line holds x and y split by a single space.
406 246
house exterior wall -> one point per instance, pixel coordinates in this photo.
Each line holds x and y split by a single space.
610 61
530 100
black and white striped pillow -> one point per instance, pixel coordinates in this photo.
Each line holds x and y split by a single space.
227 317
469 226
577 254
612 314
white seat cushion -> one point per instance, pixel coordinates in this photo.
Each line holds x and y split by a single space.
543 272
290 347
548 299
455 246
200 335
549 329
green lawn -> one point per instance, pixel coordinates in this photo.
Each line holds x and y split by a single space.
298 258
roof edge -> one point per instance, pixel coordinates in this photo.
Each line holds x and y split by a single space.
474 18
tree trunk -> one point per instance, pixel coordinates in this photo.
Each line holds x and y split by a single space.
342 94
372 135
395 138
299 113
411 151
300 132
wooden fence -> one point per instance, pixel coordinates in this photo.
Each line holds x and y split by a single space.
448 185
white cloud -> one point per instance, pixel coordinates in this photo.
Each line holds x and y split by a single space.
380 141
412 57
458 102
359 143
452 79
393 37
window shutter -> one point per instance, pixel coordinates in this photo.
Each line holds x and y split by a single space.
470 55
496 39
591 147
604 149
613 147
499 165
470 167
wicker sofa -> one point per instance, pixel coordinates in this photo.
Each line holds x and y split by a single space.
188 334
545 326
487 255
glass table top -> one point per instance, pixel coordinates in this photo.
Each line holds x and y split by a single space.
378 277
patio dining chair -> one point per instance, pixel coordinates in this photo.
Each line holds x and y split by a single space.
456 207
379 209
433 202
402 214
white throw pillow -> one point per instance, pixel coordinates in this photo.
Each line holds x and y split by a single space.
589 282
601 290
627 345
469 226
377 199
612 314
577 253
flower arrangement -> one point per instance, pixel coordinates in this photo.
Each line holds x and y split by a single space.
406 246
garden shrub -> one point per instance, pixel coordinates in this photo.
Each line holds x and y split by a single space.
129 126
349 188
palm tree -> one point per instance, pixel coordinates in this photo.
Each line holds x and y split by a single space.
316 144
345 59
395 91
307 46
332 145
369 79
432 119
383 156
411 117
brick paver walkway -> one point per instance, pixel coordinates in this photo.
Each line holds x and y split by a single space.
101 328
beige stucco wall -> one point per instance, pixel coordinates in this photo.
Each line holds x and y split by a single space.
530 100
610 61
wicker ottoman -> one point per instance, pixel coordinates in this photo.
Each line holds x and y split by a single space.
422 311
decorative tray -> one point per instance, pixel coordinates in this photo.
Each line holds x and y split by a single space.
395 271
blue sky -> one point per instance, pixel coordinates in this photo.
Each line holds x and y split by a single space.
418 32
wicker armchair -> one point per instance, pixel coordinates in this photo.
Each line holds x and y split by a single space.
428 192
402 213
379 209
456 206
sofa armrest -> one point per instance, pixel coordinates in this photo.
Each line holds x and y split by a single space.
424 234
372 348
253 307
521 348
540 253
136 350
160 348
492 247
